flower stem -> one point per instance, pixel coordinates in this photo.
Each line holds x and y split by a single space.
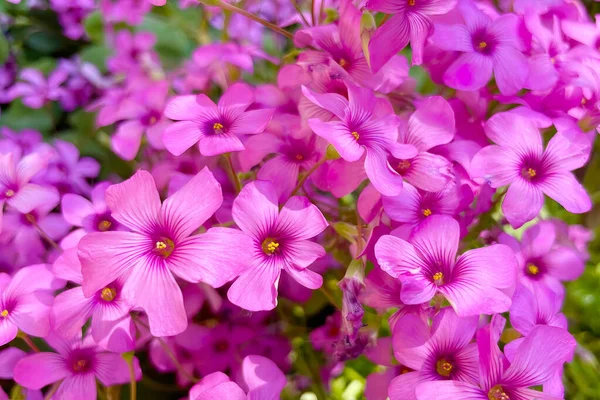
231 172
31 219
232 8
133 382
308 174
28 340
52 390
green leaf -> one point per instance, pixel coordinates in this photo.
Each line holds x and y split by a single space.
94 27
19 117
97 55
4 49
172 44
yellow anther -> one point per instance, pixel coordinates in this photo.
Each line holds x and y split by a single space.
438 278
412 2
533 269
583 101
343 62
103 226
356 135
531 172
9 193
108 294
4 313
218 127
79 365
497 393
161 245
164 247
403 165
153 120
299 157
553 60
443 367
427 212
482 45
269 246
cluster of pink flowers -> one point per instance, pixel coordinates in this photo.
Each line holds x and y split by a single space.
335 182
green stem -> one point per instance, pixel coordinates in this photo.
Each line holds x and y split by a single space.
308 174
231 172
28 340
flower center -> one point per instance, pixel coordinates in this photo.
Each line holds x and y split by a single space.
403 166
79 365
356 135
427 213
299 157
218 127
164 247
443 367
108 294
4 313
343 62
438 278
412 2
482 45
103 226
533 269
269 246
9 193
497 393
152 120
221 346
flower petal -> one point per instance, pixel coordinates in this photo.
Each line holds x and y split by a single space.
567 191
470 71
300 219
40 369
263 378
388 40
256 289
510 69
255 209
180 136
522 203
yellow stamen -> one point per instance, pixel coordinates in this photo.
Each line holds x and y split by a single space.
343 62
356 135
153 120
9 193
443 367
4 313
79 365
533 269
299 157
403 165
427 212
497 393
269 246
482 45
404 371
108 294
103 226
438 278
583 101
218 127
164 247
531 172
161 245
412 2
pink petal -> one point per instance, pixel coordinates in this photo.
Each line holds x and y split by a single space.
111 369
452 38
116 334
405 207
8 331
496 164
30 165
567 191
238 96
215 257
153 288
302 253
430 172
510 69
396 256
339 136
68 267
70 312
437 239
542 74
514 131
416 289
31 279
251 122
32 196
410 341
106 256
300 219
255 210
188 208
564 263
75 208
180 136
32 313
432 124
522 203
450 390
332 102
492 362
305 277
77 386
385 179
388 40
471 71
135 203
282 173
187 108
567 151
127 139
40 369
214 145
420 28
256 289
263 378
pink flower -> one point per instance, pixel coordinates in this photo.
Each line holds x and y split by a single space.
35 90
15 187
518 159
410 22
366 126
25 302
77 364
280 242
475 283
161 245
216 128
442 352
539 306
263 379
487 46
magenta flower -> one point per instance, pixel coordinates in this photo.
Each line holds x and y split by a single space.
442 352
518 159
261 376
216 128
87 216
77 364
280 242
366 126
15 187
35 90
145 116
536 361
487 46
432 124
133 51
112 326
475 283
221 347
25 302
161 245
8 359
410 22
539 306
542 260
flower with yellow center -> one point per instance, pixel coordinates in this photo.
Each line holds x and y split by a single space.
531 172
164 247
4 313
443 367
103 226
343 62
438 278
356 135
108 294
426 212
270 246
533 269
482 45
9 193
218 127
